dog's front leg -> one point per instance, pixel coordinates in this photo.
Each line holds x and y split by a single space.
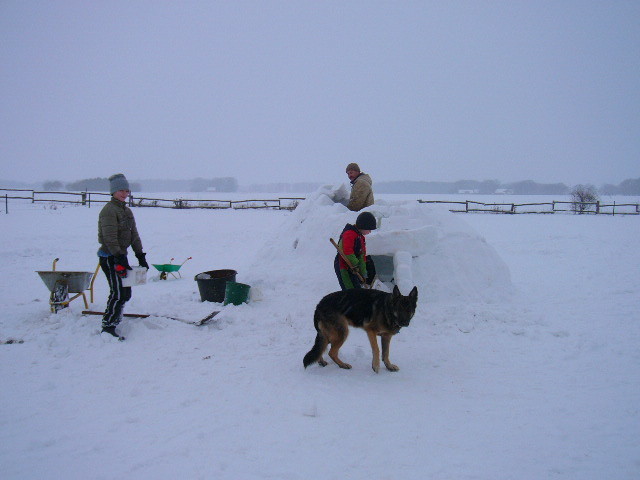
386 342
375 351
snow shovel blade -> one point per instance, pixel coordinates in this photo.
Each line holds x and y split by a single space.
197 323
378 285
206 319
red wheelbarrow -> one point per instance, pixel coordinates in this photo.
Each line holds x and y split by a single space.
166 268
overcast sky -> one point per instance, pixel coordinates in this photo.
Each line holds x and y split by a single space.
286 91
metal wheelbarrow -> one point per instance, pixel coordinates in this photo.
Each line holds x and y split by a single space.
166 268
61 284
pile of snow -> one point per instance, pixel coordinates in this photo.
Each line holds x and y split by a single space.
431 248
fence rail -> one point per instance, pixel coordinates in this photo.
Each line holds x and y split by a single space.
89 198
592 208
290 203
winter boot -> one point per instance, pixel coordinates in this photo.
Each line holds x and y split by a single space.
112 331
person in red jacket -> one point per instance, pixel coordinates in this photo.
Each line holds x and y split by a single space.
354 246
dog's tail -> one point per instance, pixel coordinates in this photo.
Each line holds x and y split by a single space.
316 351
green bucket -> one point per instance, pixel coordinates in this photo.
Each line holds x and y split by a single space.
236 293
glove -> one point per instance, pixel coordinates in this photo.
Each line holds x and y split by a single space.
371 271
142 261
122 265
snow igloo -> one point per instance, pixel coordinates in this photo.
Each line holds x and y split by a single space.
414 244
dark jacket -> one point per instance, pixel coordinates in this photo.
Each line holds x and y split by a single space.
117 229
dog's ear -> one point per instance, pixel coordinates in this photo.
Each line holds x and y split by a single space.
396 291
413 294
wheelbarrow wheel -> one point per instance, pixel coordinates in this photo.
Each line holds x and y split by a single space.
59 295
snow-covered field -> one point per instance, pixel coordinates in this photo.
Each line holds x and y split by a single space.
529 374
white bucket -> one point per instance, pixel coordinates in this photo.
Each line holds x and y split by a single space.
135 276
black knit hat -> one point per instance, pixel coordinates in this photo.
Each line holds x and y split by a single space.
366 221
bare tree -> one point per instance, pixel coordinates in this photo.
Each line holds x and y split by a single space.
584 198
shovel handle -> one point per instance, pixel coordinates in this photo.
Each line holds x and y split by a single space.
346 260
130 315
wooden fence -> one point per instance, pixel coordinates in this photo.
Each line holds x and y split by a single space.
593 208
92 198
290 203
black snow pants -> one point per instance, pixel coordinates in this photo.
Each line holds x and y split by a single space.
118 295
354 279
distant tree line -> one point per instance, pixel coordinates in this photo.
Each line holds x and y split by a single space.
300 187
225 184
99 184
486 187
630 186
230 184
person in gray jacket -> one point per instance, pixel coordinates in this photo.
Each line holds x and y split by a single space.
116 233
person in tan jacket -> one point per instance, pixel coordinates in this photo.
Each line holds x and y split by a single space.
361 191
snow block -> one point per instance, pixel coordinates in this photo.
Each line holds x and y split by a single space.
417 241
403 273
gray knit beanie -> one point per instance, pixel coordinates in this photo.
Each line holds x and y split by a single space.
118 182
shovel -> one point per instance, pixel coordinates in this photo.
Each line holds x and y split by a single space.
197 323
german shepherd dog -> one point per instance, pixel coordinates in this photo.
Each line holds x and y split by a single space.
376 312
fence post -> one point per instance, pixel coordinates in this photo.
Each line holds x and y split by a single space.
6 203
598 207
466 208
84 198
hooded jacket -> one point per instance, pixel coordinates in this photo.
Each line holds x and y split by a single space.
361 193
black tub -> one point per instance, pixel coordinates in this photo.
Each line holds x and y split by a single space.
212 284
